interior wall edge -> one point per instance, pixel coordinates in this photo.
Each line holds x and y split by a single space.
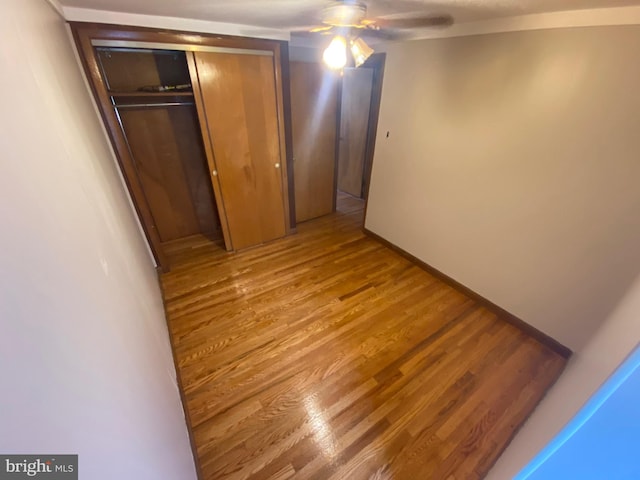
55 4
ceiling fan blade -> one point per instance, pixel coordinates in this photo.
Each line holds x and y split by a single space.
323 28
378 34
310 30
415 22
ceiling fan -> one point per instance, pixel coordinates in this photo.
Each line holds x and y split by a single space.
347 21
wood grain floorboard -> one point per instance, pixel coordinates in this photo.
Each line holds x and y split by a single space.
325 355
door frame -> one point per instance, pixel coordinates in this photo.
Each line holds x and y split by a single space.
375 62
85 33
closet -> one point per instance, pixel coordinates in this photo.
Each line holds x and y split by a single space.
198 127
163 135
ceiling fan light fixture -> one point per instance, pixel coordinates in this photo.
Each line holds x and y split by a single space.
335 55
360 51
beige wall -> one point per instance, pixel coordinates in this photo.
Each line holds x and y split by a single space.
85 361
305 54
512 166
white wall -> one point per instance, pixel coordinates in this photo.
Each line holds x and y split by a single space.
85 360
512 166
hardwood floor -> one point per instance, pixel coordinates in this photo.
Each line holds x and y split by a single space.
346 204
325 355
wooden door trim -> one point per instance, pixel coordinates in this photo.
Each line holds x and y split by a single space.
104 31
337 148
288 134
208 149
181 47
376 61
120 144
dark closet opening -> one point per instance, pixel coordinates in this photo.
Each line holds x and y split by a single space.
152 96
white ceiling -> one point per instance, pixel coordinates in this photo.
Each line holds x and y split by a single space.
288 14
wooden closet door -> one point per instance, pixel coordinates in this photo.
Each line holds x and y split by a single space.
314 118
239 99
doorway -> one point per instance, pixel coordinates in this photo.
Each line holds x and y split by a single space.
359 110
334 122
204 156
152 96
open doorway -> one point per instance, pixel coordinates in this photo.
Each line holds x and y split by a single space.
334 121
359 109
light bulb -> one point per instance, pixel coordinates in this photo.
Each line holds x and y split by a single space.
360 51
335 56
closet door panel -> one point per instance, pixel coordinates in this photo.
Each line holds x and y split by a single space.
239 98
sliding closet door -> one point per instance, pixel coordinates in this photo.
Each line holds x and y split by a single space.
239 99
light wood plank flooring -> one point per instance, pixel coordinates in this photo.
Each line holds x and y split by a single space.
326 355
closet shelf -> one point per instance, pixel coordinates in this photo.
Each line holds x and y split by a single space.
181 93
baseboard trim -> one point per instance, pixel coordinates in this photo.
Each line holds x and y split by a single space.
543 338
